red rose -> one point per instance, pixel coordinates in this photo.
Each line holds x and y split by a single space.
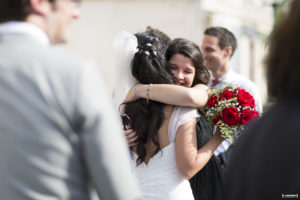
227 95
255 114
230 116
252 103
213 100
216 119
246 116
245 98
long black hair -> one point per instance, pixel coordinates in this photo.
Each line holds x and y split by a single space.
148 66
190 50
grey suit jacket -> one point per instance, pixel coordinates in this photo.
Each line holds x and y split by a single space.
58 133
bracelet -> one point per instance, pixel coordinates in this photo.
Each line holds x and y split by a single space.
135 91
148 92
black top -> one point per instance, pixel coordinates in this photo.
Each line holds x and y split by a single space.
208 183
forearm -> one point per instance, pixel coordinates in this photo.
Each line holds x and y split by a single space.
193 160
174 94
207 151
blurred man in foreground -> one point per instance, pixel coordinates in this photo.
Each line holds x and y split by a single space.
59 137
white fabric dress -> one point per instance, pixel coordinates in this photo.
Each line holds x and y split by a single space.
160 179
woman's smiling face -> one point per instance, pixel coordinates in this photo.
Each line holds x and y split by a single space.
183 70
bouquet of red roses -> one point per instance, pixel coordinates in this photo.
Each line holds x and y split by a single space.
230 109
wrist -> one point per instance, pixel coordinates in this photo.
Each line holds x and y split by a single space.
148 92
136 92
219 136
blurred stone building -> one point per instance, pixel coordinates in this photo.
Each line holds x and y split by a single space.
250 20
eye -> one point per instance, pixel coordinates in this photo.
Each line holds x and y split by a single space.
173 67
209 50
188 71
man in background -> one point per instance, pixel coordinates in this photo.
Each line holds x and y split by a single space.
59 137
218 46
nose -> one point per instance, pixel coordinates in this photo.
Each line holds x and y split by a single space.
179 75
204 53
75 11
205 56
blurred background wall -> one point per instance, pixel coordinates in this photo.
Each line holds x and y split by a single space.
250 20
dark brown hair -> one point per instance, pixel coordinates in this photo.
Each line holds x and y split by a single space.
226 37
283 61
159 34
190 50
17 10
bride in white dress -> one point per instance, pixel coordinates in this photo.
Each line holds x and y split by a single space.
166 154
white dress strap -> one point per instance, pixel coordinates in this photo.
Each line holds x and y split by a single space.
180 116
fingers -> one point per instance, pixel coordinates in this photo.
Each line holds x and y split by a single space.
131 137
127 127
132 142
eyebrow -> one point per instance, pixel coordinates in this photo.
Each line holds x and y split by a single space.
190 68
208 47
187 67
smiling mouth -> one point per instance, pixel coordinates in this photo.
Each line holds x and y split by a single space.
179 83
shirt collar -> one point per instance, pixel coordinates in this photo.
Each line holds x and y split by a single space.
225 76
15 27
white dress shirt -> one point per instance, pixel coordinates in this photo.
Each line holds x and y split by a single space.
15 27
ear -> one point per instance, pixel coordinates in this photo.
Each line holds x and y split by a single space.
40 7
228 51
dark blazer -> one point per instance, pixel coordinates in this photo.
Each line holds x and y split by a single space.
265 163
